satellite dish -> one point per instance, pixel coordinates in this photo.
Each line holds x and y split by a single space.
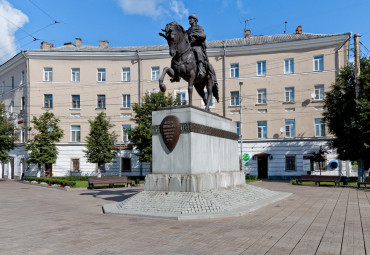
313 95
282 129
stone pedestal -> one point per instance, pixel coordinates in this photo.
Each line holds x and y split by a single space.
205 156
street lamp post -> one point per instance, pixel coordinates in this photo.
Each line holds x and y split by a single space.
240 126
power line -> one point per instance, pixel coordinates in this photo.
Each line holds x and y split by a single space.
38 7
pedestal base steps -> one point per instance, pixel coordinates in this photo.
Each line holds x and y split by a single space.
219 203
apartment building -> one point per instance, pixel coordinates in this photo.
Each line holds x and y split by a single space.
274 84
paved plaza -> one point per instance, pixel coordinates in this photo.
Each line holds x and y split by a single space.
313 220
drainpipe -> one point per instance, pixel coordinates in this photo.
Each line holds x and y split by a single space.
139 77
224 83
26 114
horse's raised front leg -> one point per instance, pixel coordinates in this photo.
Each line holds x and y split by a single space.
170 72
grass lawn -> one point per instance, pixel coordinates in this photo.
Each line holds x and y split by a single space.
350 184
249 180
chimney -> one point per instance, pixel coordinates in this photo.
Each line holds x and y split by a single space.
247 33
299 30
103 43
78 42
69 44
46 46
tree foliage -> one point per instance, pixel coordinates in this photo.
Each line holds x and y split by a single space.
141 136
348 119
42 148
100 141
7 139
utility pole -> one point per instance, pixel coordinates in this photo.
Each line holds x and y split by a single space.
240 126
360 161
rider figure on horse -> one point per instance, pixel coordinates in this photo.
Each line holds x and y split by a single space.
197 38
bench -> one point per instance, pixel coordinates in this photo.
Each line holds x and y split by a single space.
367 181
107 180
319 178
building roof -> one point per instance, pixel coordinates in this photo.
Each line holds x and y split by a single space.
255 40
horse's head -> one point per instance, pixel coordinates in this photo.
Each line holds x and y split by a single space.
174 34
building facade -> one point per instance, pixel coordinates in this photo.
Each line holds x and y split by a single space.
272 87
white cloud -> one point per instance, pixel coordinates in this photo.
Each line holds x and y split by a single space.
11 20
154 8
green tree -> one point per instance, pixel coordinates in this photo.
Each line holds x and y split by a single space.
348 118
100 141
42 148
7 139
141 135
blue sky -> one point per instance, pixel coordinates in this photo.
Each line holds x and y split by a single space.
137 22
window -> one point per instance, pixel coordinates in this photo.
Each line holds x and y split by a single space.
234 70
262 129
261 68
75 165
23 103
238 127
126 74
23 135
289 66
48 74
75 74
23 78
154 91
211 104
289 128
101 74
125 136
12 82
319 127
75 101
11 107
234 98
318 63
48 101
319 92
3 87
126 101
261 96
126 164
289 95
101 101
181 96
155 73
75 134
290 164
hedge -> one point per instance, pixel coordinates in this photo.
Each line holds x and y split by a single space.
250 177
49 180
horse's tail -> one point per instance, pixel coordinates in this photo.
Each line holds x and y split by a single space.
215 91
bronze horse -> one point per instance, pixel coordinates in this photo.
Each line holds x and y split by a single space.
183 65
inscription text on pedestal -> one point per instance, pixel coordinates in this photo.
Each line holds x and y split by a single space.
170 131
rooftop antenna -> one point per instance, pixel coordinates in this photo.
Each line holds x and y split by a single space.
245 22
285 26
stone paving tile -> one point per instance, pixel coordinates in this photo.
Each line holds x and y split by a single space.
37 220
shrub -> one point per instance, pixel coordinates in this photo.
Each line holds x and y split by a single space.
50 180
251 177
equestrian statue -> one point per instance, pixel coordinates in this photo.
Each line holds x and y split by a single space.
189 60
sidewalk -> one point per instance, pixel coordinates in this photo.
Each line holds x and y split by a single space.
313 220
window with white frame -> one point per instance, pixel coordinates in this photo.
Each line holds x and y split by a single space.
23 78
290 163
319 127
75 165
290 128
101 102
12 82
234 70
48 74
75 134
319 92
318 63
261 68
75 74
234 98
126 74
289 65
262 129
238 127
211 104
155 73
181 96
3 87
261 96
154 91
11 107
125 136
126 101
48 100
23 103
101 74
289 95
76 101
